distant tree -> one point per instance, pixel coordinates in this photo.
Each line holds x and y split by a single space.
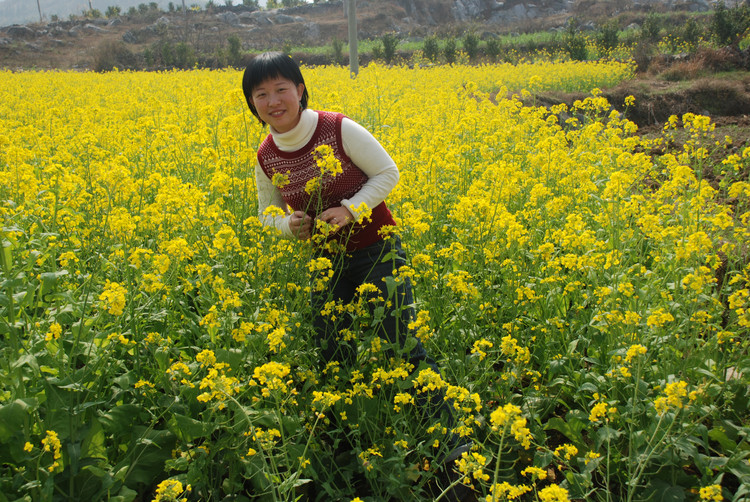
431 48
727 24
338 50
692 31
390 44
608 37
235 50
575 42
471 44
112 11
493 48
449 50
184 56
651 27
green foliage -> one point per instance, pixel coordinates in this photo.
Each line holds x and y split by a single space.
574 42
287 47
692 32
471 45
607 37
113 11
114 54
450 49
493 47
728 24
235 50
390 44
431 48
338 50
377 50
651 27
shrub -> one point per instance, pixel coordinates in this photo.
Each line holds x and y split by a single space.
692 31
471 44
727 25
449 50
184 56
431 48
575 43
235 50
608 37
112 11
492 48
377 50
113 54
390 43
651 28
338 50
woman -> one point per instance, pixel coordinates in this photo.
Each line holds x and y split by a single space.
331 213
276 94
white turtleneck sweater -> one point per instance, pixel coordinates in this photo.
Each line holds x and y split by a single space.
361 146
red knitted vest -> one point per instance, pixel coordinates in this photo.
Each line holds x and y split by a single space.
299 167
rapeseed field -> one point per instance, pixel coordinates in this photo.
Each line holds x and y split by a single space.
585 291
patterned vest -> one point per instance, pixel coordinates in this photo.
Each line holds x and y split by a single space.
300 166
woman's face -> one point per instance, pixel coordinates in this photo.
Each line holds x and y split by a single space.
277 101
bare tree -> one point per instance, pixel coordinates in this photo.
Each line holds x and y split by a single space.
40 10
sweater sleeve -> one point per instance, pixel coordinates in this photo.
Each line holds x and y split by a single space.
268 196
370 156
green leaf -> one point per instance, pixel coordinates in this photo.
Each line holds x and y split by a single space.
93 444
49 280
606 434
12 416
120 418
720 436
571 429
187 429
663 492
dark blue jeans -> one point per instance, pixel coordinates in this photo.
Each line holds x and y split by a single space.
351 270
373 265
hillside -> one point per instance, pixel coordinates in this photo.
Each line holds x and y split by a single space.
77 43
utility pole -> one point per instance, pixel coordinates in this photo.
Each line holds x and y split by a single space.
353 55
40 11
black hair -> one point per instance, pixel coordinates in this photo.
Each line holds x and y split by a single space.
271 65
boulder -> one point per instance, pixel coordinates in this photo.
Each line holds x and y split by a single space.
129 38
92 28
229 18
285 19
19 31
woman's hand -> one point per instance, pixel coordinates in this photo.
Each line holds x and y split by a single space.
301 225
338 217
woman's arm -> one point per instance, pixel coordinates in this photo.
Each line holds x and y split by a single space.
370 156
